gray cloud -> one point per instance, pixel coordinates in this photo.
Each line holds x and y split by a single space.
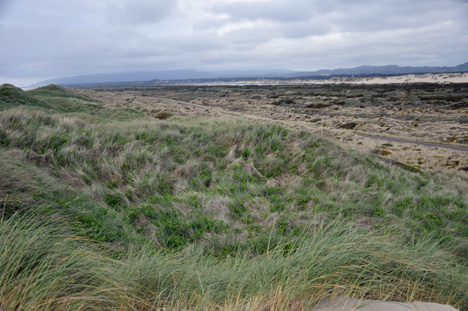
140 11
276 10
49 38
342 16
4 6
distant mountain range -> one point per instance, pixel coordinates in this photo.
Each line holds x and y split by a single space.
152 77
144 76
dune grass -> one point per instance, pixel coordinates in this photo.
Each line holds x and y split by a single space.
180 181
42 268
45 269
197 214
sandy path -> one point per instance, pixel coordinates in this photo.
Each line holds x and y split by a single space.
351 304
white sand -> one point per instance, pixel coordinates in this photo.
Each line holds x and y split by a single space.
441 78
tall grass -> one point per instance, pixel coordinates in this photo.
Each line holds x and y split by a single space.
267 176
41 268
335 260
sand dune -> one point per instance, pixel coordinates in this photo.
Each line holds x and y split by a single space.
441 78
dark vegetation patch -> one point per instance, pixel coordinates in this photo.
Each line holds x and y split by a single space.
163 115
349 126
284 101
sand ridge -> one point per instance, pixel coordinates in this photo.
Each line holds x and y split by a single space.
441 78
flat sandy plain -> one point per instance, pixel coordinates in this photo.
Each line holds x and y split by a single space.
418 120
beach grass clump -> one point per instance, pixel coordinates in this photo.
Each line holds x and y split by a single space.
44 268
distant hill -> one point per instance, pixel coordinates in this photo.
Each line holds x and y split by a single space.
155 77
126 77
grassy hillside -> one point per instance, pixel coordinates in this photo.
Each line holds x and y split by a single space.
211 214
11 96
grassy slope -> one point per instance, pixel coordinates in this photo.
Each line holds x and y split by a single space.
255 209
11 96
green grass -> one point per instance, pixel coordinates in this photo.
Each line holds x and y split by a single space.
46 269
56 99
194 213
11 96
53 90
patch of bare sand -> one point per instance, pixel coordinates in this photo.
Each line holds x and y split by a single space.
350 304
441 78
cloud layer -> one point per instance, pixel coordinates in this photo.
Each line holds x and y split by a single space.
50 38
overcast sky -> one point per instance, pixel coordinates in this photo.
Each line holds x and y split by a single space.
52 38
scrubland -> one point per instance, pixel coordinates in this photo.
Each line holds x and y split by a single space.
134 207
